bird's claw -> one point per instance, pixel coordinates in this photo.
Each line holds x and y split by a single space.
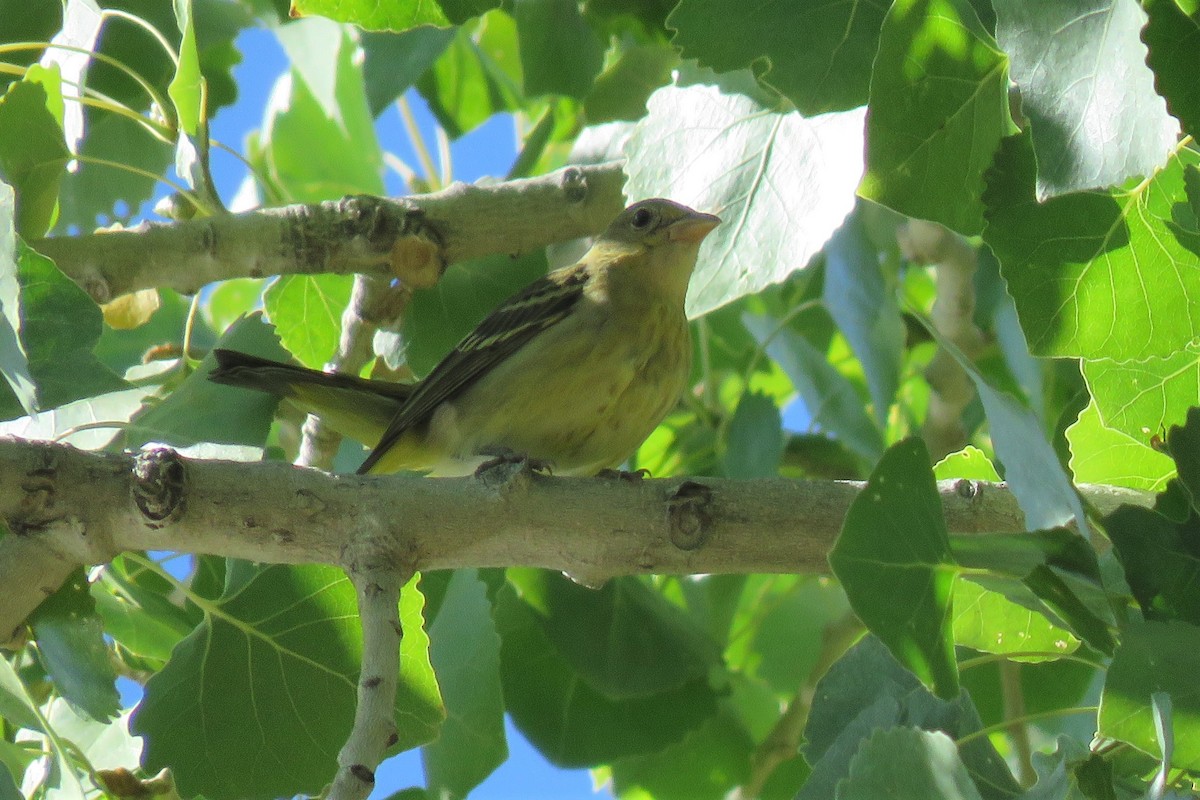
539 465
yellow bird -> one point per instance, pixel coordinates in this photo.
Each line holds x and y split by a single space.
575 370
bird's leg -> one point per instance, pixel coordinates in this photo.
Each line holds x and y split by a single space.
505 455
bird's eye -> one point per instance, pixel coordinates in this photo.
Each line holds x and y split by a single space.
642 218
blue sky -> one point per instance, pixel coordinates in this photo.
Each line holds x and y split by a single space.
488 150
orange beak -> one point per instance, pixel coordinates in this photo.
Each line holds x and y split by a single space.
693 228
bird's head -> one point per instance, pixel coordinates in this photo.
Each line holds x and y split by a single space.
658 238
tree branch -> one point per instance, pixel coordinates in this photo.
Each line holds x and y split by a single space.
413 238
66 507
953 315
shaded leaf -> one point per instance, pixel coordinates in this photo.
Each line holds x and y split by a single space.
199 410
624 639
70 640
819 52
279 638
754 438
560 54
1154 657
1135 246
895 536
908 764
861 298
939 107
831 399
866 690
14 363
567 720
1171 36
465 653
1161 559
393 62
1066 55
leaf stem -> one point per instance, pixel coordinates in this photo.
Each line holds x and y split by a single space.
1008 723
418 141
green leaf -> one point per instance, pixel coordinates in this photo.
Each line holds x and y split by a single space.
991 623
70 640
477 75
279 650
439 317
861 298
908 764
1144 398
16 705
893 558
393 62
560 53
831 399
624 639
465 653
754 438
1065 56
187 86
867 690
970 463
1137 248
1154 657
14 363
139 614
939 107
60 325
202 411
568 721
783 183
229 300
318 134
1171 37
33 155
306 311
1100 454
374 16
622 89
1161 562
1052 572
819 51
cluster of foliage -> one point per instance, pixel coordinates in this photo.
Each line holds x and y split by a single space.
1055 135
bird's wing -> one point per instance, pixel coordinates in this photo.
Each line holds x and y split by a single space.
502 333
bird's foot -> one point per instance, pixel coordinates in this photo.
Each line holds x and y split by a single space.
635 476
503 456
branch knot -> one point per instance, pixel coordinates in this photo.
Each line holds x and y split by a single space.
159 486
690 515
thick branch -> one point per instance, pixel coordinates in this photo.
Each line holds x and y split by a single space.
66 507
412 238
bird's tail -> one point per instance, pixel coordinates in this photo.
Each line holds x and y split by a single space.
356 407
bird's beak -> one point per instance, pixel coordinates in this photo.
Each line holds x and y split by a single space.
693 227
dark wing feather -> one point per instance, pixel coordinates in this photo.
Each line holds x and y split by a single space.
502 333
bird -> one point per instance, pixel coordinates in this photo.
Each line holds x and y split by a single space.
572 372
